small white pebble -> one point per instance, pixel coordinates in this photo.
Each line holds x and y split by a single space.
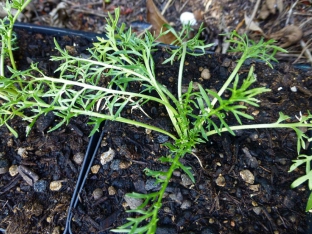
293 89
78 158
107 156
56 185
22 152
13 170
280 88
188 18
97 193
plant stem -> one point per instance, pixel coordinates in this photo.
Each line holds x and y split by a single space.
10 31
180 76
263 126
104 90
230 79
2 57
102 116
164 185
171 112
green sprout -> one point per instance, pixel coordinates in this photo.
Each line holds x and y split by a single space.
125 59
303 159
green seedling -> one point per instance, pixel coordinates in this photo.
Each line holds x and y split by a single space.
125 59
303 159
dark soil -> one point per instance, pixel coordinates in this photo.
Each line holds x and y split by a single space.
208 206
232 207
217 16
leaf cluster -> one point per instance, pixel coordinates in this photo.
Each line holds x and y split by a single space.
303 160
262 50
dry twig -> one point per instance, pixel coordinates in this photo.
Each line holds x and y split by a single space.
253 15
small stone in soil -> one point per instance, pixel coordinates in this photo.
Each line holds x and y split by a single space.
133 203
177 173
111 191
124 164
251 161
115 165
107 156
247 176
257 210
186 204
254 187
13 170
78 158
97 193
40 186
167 209
22 152
186 181
55 185
177 197
220 181
205 74
95 169
162 138
139 186
151 185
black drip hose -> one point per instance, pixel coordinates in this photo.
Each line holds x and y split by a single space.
93 146
57 31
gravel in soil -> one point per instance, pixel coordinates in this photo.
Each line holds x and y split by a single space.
243 186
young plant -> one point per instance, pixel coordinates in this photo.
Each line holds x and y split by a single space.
126 59
9 87
303 159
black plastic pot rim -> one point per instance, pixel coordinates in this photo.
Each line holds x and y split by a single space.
96 139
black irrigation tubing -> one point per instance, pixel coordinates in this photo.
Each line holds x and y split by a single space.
96 139
57 31
93 146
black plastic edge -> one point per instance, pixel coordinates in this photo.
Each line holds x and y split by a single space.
57 31
92 149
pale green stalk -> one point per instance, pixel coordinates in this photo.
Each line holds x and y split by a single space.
260 126
10 31
171 111
230 79
98 115
2 58
181 67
